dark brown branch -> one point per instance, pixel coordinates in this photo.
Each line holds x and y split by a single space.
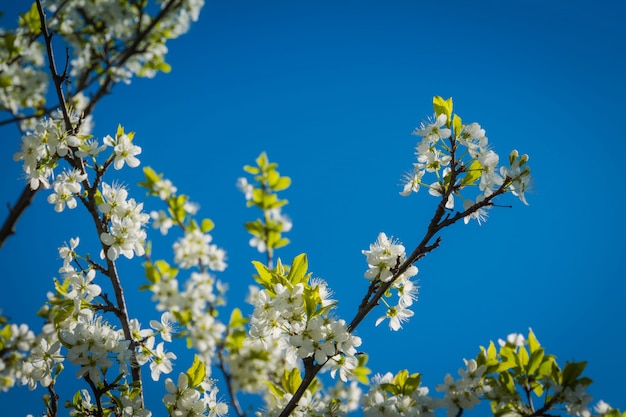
310 371
53 406
15 212
96 392
58 79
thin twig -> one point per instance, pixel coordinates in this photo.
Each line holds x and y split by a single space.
57 78
229 383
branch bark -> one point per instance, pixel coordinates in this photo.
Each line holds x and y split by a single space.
15 212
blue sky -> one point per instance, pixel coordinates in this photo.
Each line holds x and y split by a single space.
332 91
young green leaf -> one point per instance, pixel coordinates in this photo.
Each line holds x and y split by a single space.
297 272
473 173
207 225
196 372
442 106
237 319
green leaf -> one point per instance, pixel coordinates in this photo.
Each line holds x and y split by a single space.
264 276
5 82
401 377
508 359
262 161
151 178
533 343
390 388
457 124
164 67
536 358
297 272
571 372
442 106
251 170
237 319
291 380
545 369
506 381
276 390
491 352
196 373
282 184
207 225
269 200
255 228
412 383
235 339
151 273
258 196
522 357
98 197
182 317
473 173
313 386
361 371
31 20
5 334
280 243
272 178
312 300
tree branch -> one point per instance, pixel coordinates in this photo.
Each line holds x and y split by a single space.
15 212
439 221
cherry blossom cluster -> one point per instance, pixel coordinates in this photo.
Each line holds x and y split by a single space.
23 79
194 302
401 394
15 343
182 399
192 305
194 249
397 396
293 320
42 150
100 33
44 362
459 155
515 382
77 332
43 146
67 186
111 41
383 259
125 234
465 392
